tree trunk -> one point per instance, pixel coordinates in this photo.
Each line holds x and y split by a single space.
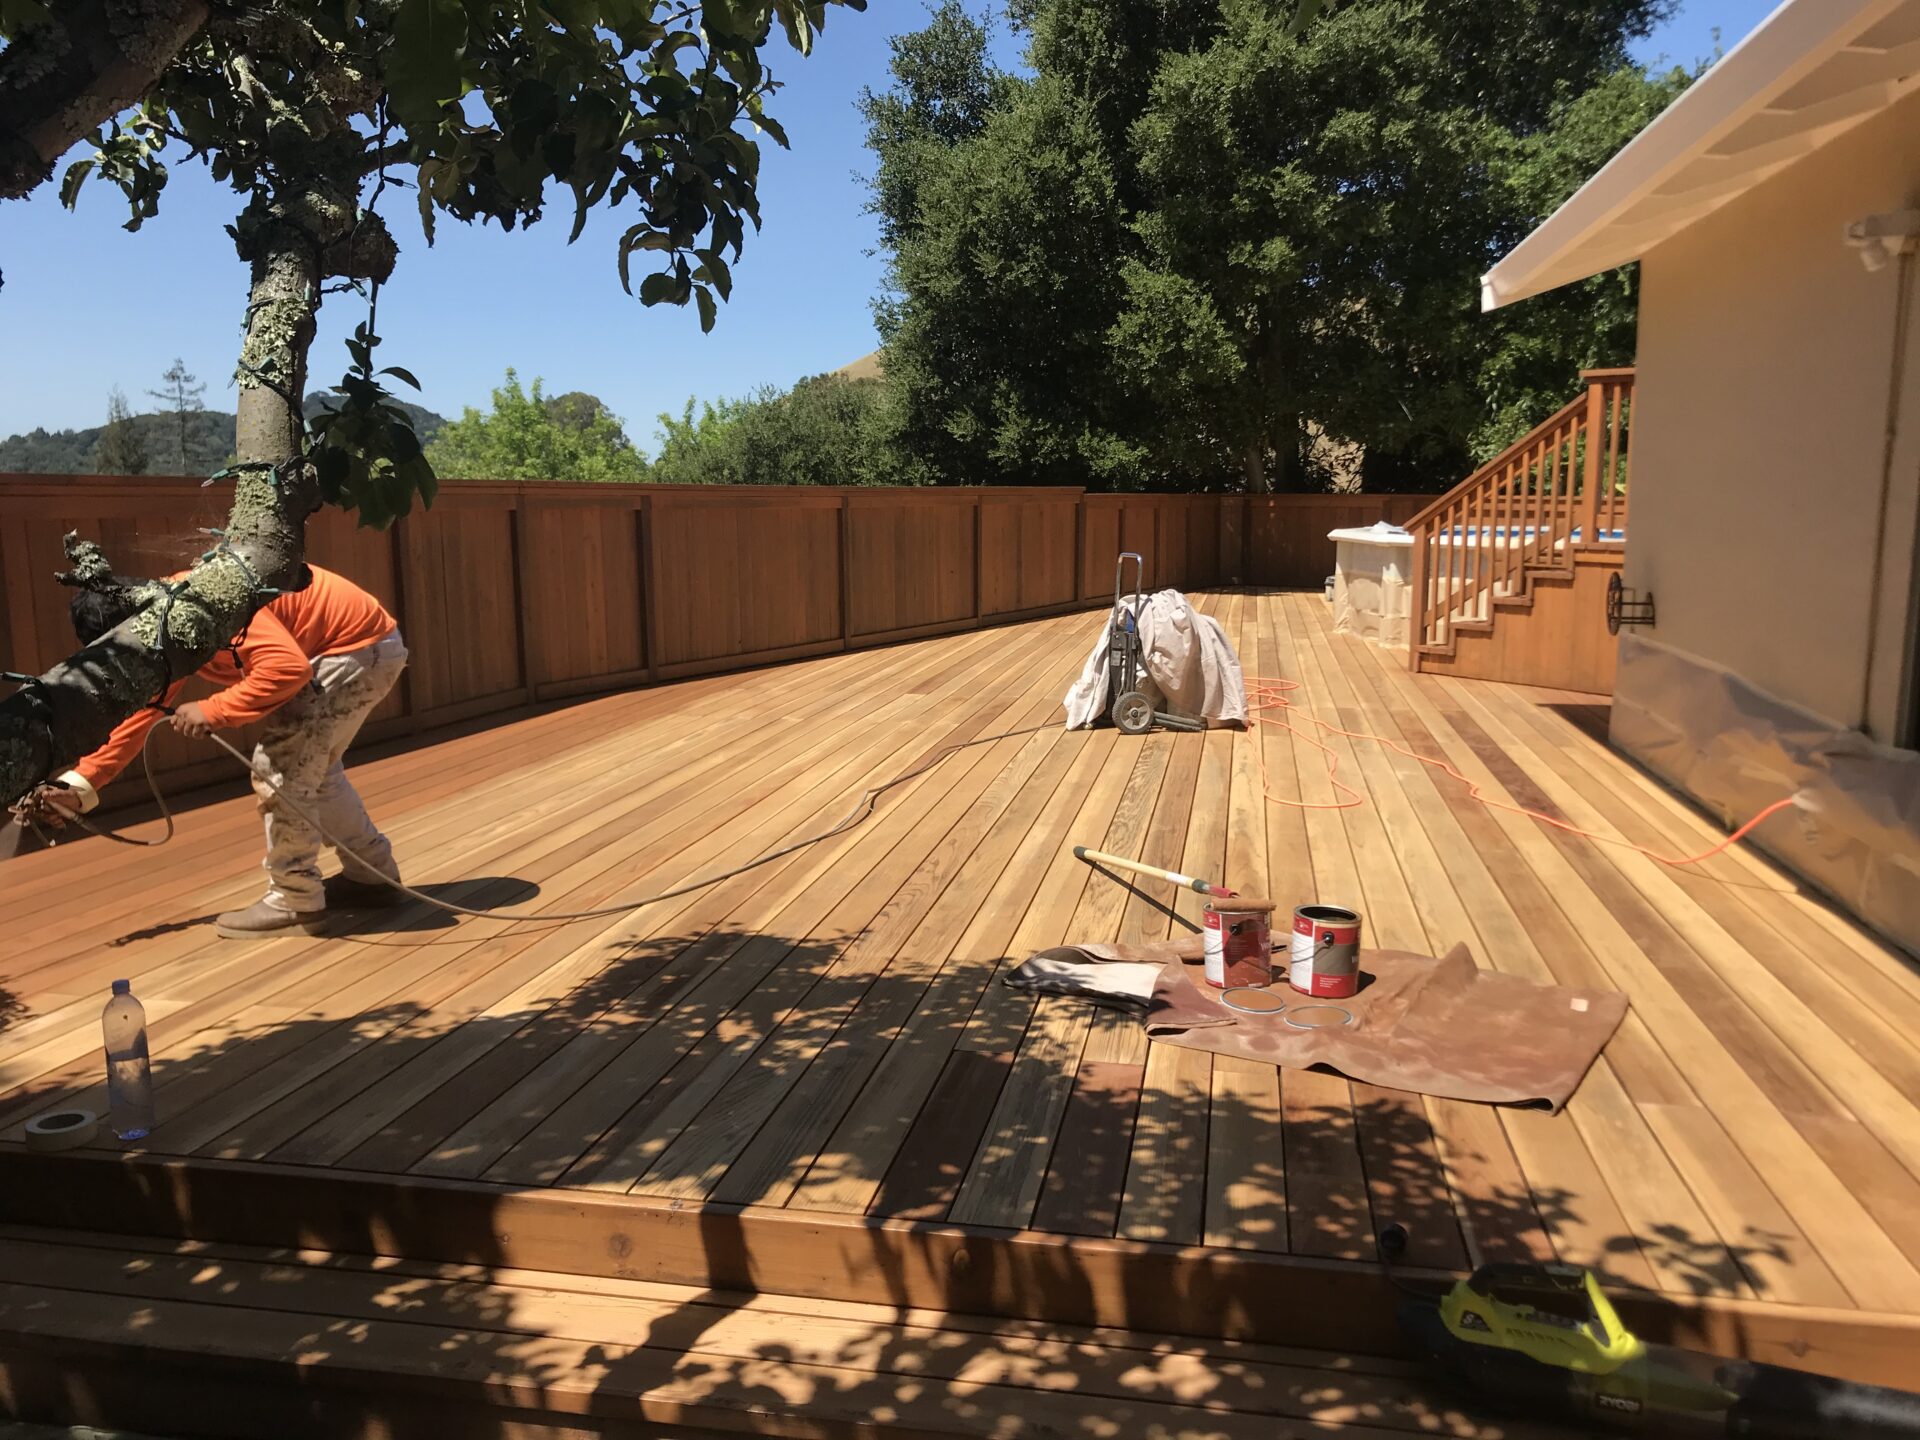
71 709
88 61
1253 461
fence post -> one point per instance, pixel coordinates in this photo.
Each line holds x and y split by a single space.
409 585
1586 512
649 609
16 573
516 552
1079 547
846 571
979 555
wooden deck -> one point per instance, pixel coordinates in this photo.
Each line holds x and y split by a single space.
808 1081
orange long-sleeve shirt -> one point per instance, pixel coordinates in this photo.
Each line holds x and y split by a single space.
332 616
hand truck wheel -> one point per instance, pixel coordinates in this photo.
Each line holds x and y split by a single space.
1133 713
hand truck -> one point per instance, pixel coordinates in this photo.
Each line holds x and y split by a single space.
1131 711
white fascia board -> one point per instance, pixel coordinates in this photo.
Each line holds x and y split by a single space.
1792 42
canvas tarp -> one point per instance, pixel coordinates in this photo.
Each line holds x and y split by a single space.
1191 666
1435 1027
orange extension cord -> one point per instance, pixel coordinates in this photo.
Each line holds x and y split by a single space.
1264 696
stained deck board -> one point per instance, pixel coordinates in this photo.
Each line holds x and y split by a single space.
569 1347
830 1034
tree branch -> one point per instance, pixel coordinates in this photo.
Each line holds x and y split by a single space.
385 155
88 61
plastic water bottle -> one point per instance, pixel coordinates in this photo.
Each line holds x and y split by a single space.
129 1076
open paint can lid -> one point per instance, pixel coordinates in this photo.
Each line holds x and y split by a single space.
1318 1017
1253 1000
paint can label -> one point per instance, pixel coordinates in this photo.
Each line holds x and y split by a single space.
1212 948
1326 951
1246 938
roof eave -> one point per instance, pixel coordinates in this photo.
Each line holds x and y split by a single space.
1572 243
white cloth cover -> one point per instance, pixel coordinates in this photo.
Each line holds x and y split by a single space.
1191 667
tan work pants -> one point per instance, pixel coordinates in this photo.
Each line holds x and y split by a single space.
300 751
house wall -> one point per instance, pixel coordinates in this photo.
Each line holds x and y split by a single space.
1764 359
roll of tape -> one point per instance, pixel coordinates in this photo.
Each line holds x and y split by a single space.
62 1129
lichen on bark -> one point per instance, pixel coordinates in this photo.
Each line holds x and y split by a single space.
85 63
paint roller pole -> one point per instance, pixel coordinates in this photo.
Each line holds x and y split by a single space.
1172 877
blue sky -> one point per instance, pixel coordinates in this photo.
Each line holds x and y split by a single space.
87 306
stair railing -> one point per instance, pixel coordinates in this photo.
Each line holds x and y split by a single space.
1560 487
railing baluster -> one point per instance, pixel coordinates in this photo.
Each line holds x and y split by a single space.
1500 490
1476 533
1542 497
1563 494
1616 469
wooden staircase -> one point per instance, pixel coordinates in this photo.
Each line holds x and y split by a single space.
1510 567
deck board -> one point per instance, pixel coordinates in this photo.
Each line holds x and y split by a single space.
828 1035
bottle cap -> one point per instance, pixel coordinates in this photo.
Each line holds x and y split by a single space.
122 987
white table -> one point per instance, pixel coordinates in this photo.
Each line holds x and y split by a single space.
1372 579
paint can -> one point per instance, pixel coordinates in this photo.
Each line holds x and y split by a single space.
1326 951
1237 941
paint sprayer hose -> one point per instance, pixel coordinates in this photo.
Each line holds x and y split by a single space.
862 808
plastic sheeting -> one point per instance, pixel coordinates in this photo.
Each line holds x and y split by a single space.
1191 667
1372 579
1854 830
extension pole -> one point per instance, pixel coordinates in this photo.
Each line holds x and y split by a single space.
1172 877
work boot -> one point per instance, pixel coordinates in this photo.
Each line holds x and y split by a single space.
346 893
264 920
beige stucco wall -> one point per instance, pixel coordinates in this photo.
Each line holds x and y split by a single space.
1764 357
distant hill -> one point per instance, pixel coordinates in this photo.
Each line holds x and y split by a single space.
867 367
210 437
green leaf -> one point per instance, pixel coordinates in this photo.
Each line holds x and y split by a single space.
773 127
575 14
401 374
718 17
71 182
714 269
703 298
18 15
798 23
656 288
424 68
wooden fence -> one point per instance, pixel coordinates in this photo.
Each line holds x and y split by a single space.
514 594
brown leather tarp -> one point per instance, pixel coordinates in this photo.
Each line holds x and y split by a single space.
1436 1027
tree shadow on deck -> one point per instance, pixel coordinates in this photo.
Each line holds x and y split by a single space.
654 1060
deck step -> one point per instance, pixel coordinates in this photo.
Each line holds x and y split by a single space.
219 1341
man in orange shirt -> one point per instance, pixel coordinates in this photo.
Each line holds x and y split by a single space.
312 663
